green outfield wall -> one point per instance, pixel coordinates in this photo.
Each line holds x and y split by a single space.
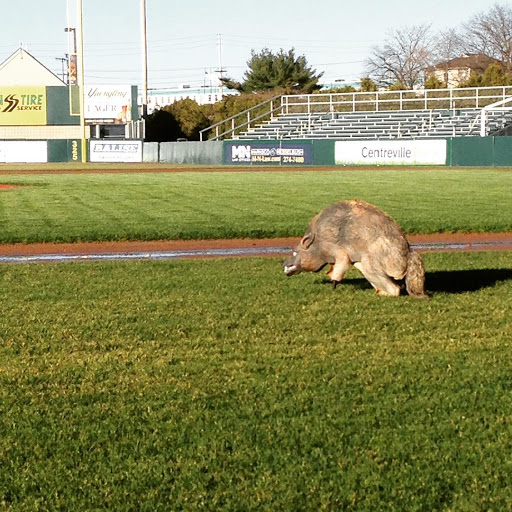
192 152
453 152
457 152
67 150
479 151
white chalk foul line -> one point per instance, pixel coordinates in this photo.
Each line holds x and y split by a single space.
154 255
241 251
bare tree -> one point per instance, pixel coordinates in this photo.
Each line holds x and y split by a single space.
404 56
448 45
490 33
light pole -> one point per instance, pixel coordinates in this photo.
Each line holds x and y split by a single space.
144 59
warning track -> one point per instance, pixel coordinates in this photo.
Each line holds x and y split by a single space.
179 249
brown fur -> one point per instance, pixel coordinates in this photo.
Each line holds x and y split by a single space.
358 233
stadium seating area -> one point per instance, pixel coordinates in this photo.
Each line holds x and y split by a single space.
380 125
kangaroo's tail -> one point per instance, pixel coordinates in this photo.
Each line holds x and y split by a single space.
415 277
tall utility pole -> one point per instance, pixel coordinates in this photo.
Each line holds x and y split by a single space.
64 61
81 80
144 58
221 70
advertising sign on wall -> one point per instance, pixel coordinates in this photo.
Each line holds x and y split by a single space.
391 152
22 151
268 153
108 102
22 106
115 151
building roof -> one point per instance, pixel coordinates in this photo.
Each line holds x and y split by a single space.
23 69
477 62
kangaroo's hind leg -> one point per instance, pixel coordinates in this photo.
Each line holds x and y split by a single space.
378 278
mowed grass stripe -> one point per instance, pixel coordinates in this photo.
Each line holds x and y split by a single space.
150 206
224 385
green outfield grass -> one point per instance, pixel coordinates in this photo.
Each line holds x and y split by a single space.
224 385
76 207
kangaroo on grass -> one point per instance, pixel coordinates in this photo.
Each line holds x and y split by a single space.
360 234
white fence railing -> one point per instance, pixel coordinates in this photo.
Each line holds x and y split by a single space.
242 121
421 99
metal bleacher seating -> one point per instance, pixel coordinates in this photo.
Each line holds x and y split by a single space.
379 125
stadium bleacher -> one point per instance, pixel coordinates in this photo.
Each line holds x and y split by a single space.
380 125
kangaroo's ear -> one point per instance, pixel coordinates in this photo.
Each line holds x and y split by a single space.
307 240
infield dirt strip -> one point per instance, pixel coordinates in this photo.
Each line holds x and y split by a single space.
175 249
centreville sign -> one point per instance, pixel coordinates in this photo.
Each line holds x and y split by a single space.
391 152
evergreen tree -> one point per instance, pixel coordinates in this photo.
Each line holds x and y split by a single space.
368 85
433 82
283 71
493 75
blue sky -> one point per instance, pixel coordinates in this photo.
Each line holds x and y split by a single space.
335 37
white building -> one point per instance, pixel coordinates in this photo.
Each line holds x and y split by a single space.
203 95
21 69
207 94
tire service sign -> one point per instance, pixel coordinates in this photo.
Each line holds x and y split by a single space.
22 106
